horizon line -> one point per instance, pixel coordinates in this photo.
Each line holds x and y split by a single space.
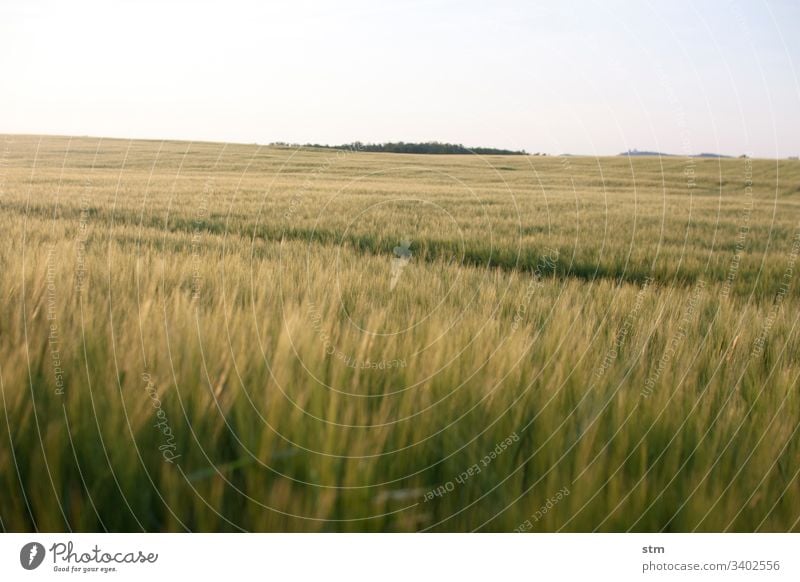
645 153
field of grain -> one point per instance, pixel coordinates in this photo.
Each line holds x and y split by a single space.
212 337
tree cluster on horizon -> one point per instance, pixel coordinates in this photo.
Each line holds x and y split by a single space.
430 147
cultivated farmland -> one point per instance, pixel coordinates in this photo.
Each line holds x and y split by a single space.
212 337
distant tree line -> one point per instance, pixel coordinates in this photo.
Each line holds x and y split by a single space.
428 147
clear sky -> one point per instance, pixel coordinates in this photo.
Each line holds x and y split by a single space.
590 77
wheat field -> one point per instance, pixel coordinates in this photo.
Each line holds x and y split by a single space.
225 337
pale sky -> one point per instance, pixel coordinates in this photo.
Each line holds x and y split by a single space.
589 77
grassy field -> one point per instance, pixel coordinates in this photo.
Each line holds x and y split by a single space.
211 337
